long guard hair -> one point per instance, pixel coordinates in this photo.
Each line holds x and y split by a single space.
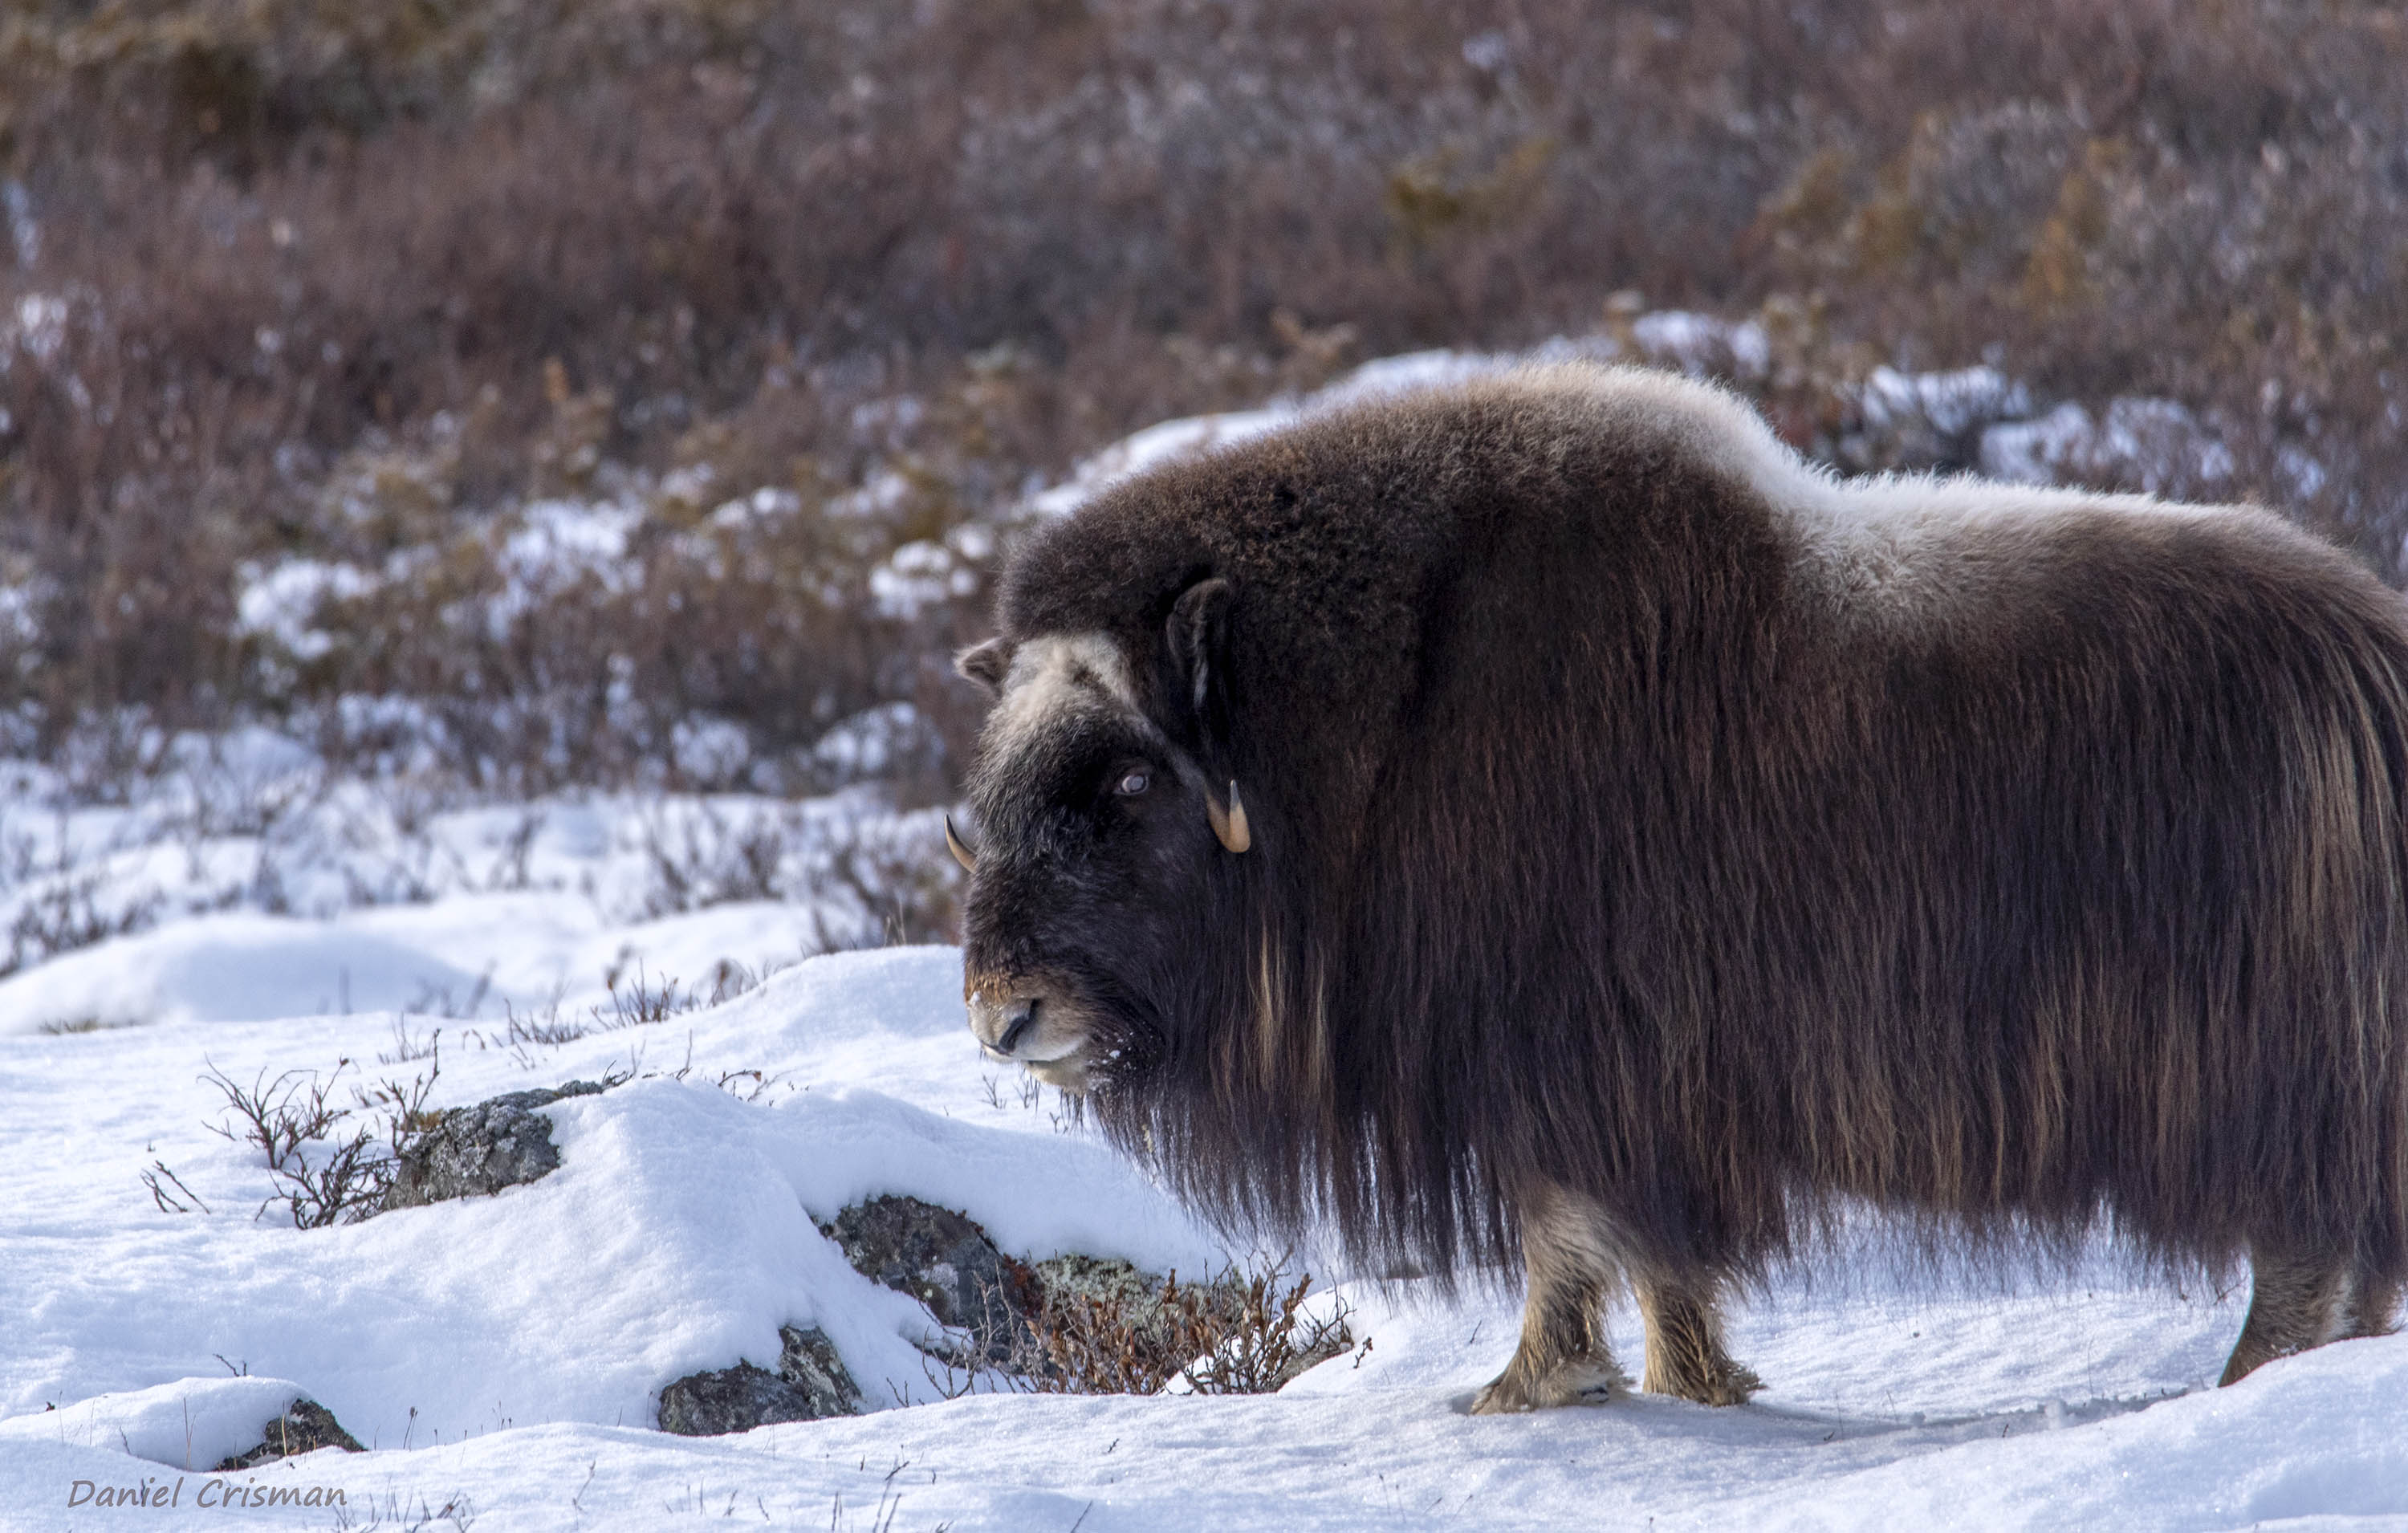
1638 811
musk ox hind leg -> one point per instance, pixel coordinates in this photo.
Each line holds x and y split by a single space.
2298 1302
2373 1308
1684 1346
1570 1262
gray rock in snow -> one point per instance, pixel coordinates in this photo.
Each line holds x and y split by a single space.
810 1385
808 1361
482 1149
995 1305
944 1260
304 1427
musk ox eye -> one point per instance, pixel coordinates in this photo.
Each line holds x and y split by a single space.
1132 784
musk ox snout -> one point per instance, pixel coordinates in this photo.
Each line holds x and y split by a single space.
1031 1022
1002 1025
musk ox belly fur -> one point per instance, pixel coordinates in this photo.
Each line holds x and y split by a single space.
1545 821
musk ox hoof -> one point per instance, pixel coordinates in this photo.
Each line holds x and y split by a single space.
1574 1383
1730 1384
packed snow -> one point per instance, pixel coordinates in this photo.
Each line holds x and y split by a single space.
246 919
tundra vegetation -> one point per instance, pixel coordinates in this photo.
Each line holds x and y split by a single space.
314 317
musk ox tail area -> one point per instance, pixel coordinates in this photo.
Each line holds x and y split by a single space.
1656 846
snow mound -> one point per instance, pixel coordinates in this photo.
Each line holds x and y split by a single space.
187 1424
224 968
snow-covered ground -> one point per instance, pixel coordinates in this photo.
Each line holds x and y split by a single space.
248 920
502 1357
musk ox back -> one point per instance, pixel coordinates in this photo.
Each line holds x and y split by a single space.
1546 820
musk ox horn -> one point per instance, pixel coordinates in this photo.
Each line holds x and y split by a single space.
960 849
1229 824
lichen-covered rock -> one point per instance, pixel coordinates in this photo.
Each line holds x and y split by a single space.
730 1400
941 1258
808 1361
810 1385
501 1142
945 1260
304 1426
1084 1324
1097 1276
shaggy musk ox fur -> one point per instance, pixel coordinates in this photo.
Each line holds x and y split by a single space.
1651 847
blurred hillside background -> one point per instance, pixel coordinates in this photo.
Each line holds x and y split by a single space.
525 396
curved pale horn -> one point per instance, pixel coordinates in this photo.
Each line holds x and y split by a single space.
1230 825
960 849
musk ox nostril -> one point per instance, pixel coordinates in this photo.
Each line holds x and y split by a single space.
1019 1017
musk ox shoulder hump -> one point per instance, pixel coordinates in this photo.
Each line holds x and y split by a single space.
1896 543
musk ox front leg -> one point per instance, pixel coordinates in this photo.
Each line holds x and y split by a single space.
1684 1346
1569 1263
1572 1260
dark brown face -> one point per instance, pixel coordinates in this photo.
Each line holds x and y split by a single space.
1092 852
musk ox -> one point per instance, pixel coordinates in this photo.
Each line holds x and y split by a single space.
1546 820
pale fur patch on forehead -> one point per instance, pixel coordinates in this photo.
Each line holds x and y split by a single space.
1057 675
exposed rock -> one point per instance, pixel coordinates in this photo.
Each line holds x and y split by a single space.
498 1143
1104 1279
808 1361
810 1385
997 1304
305 1428
941 1258
730 1400
1084 1324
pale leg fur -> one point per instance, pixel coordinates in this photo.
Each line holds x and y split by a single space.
2298 1302
1572 1262
1684 1348
1563 1358
2374 1309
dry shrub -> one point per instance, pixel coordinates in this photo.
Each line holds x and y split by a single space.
322 1177
874 879
643 1000
1244 1333
900 891
355 283
68 911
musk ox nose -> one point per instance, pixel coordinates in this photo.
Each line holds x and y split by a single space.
1004 1023
1018 1018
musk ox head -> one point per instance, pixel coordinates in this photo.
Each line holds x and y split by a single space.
1104 822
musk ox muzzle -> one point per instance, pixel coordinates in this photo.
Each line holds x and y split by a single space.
1032 1023
1654 852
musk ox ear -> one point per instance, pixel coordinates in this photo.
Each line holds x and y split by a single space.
986 664
1193 637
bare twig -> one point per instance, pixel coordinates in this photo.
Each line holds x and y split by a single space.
170 1204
